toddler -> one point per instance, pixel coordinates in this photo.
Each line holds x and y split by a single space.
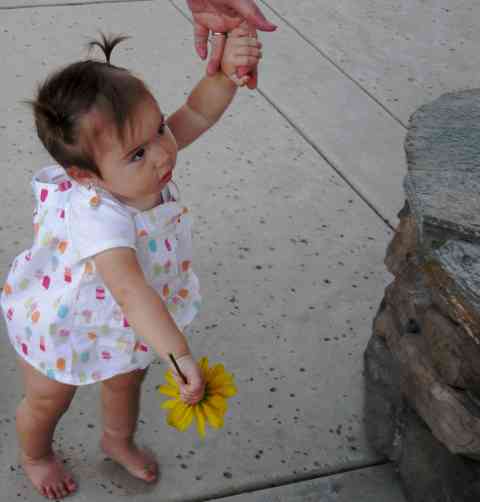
108 283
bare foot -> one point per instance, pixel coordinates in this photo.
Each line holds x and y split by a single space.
137 462
49 477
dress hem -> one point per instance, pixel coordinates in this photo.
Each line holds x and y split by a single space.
87 381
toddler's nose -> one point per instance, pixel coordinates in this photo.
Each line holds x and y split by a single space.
160 159
164 164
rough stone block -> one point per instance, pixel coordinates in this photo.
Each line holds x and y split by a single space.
442 150
383 400
455 356
453 417
409 299
429 472
426 335
402 249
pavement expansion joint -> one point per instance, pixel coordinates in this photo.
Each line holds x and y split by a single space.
335 64
284 481
325 157
70 4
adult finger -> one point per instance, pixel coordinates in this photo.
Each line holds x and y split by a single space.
239 81
200 33
249 10
216 53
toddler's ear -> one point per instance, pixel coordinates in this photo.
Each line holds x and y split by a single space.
81 176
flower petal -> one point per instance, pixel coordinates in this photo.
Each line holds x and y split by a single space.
168 390
203 363
218 369
177 413
200 419
213 389
169 404
209 373
212 415
185 422
219 403
224 390
169 378
221 379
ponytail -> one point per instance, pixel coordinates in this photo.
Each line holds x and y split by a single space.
107 43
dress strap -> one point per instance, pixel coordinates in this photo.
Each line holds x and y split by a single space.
51 186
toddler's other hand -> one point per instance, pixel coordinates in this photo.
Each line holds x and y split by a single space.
191 392
241 51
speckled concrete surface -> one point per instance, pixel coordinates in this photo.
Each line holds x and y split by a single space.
374 483
404 52
15 4
289 255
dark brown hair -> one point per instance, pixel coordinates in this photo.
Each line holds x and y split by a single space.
63 100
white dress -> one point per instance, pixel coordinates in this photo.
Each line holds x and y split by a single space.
60 316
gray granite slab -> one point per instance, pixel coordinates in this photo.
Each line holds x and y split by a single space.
443 152
461 261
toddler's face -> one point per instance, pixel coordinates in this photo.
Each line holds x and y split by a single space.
136 169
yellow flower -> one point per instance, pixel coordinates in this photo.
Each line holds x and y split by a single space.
211 409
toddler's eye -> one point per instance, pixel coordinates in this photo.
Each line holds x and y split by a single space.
138 155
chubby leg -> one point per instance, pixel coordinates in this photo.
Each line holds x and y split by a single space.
120 404
44 403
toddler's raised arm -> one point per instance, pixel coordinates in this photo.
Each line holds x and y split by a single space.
213 94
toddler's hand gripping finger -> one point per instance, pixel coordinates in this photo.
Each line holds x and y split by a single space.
239 81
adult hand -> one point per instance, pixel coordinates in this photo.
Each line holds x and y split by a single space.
222 16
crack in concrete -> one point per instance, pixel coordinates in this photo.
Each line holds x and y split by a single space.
335 64
72 4
328 160
284 481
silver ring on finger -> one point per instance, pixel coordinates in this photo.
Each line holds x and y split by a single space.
219 34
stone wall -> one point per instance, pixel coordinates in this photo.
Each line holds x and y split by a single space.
422 363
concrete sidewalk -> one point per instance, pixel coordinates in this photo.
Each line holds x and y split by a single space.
294 195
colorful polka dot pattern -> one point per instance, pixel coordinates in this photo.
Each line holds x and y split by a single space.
62 318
